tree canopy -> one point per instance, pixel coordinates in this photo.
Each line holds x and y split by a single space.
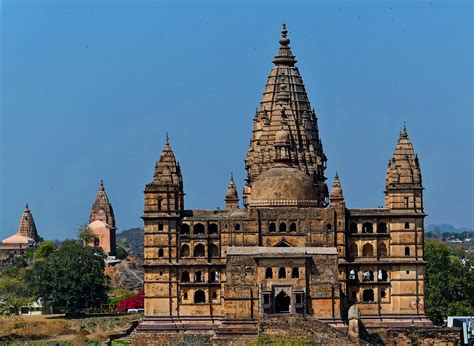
71 278
449 282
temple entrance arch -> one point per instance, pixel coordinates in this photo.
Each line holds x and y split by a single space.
282 302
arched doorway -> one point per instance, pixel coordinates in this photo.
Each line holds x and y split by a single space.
282 302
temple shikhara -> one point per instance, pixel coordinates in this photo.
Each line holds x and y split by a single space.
291 247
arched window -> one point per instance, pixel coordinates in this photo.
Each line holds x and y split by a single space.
353 227
161 253
198 277
382 250
160 204
293 227
367 228
383 294
184 228
198 228
381 227
213 228
185 296
213 250
185 251
367 250
283 227
185 277
199 297
383 276
214 296
214 276
237 227
368 276
295 273
272 227
328 227
407 225
353 250
268 273
368 296
282 273
407 251
199 250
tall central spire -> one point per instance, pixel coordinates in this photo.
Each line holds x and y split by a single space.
286 102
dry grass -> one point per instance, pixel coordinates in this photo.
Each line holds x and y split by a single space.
57 328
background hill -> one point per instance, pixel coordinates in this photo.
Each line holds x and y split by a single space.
132 241
446 227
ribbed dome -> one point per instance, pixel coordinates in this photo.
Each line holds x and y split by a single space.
283 186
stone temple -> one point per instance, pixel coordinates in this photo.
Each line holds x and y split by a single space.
293 248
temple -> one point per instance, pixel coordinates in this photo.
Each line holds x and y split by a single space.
293 248
102 222
24 239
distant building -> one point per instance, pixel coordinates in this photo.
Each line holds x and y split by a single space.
102 222
25 238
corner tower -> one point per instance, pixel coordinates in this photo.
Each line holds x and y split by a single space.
404 190
285 101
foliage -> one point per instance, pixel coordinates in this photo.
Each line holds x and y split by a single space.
121 253
132 241
45 249
449 283
15 291
71 278
86 235
131 302
118 294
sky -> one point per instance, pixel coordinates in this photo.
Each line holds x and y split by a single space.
89 89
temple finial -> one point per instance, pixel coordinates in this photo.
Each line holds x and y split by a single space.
403 132
26 207
284 41
167 138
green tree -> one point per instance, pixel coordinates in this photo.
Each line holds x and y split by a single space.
71 278
121 253
45 249
86 235
449 283
15 293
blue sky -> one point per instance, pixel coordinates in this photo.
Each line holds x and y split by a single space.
89 89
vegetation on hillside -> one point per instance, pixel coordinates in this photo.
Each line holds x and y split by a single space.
132 241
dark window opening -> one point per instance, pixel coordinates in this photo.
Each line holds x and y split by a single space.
237 227
185 277
213 250
407 225
96 241
282 303
214 276
383 275
161 253
283 227
295 273
198 277
406 202
407 251
328 227
160 227
381 227
159 204
184 229
199 229
367 228
353 250
185 296
268 273
272 228
199 250
199 297
213 228
368 296
214 296
382 250
383 294
185 251
368 276
353 227
367 250
293 227
282 273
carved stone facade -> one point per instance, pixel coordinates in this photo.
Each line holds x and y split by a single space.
294 249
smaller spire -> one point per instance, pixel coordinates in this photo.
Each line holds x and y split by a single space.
231 195
336 190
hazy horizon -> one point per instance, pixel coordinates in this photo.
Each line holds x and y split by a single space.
89 90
